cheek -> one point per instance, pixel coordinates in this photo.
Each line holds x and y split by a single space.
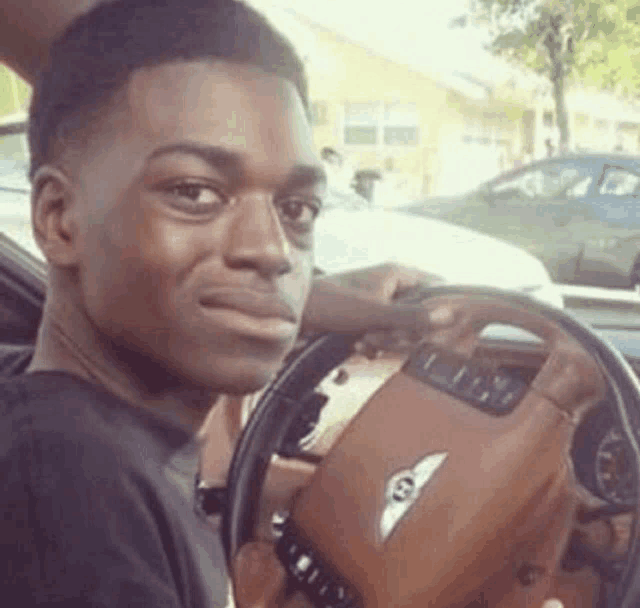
137 266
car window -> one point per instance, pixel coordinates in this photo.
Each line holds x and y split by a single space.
620 182
15 210
544 183
580 187
13 146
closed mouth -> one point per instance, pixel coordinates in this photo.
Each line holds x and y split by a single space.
253 303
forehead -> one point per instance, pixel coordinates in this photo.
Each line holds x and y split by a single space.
257 115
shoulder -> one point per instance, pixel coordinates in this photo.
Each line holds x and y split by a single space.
73 495
57 430
61 415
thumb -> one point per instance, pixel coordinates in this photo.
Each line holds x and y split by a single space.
258 577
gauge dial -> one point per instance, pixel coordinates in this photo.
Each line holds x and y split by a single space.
614 469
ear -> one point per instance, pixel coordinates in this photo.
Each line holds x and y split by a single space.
54 216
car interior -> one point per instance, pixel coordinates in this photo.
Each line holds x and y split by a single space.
467 398
471 472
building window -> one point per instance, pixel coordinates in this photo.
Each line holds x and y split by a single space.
361 135
401 124
361 123
476 132
375 123
401 136
628 126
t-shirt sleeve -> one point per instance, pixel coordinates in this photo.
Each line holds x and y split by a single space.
78 529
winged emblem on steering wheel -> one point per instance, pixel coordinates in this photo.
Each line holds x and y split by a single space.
404 488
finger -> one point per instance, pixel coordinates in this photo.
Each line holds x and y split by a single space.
402 279
367 349
387 281
420 320
406 279
413 328
441 316
387 341
258 576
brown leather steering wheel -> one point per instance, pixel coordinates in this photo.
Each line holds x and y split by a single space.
452 487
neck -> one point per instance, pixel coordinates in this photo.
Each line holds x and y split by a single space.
67 341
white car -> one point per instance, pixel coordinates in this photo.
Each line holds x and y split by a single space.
347 240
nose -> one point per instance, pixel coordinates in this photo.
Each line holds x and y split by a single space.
257 239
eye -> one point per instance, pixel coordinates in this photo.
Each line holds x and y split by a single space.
299 211
195 197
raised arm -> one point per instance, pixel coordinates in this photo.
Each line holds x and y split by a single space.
26 28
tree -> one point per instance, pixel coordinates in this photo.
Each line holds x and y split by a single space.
592 41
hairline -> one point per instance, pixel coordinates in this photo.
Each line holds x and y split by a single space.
64 148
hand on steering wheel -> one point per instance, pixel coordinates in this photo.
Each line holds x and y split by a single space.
452 485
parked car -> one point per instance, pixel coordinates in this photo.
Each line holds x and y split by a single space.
579 214
347 240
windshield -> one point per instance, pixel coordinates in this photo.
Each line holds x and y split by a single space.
455 117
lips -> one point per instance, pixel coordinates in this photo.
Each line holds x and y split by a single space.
252 303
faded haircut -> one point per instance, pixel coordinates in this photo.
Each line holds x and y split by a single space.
94 58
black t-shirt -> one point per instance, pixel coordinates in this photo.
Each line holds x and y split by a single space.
92 508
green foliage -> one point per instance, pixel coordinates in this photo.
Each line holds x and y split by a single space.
594 42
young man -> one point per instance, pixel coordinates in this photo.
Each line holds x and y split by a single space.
175 187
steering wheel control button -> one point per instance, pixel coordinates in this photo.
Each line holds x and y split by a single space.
278 521
302 565
404 488
507 392
313 576
497 393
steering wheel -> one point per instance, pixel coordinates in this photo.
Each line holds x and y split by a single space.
453 485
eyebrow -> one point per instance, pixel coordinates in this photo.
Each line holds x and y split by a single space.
306 175
232 164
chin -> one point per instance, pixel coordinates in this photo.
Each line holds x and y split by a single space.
242 379
244 385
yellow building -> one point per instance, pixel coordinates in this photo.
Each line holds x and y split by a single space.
424 134
445 133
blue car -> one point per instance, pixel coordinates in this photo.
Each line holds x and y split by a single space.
579 214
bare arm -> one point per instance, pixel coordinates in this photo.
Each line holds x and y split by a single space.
27 28
363 300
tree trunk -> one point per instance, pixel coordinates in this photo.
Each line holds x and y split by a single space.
558 73
562 116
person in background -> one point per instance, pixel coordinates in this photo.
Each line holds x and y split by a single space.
550 148
339 192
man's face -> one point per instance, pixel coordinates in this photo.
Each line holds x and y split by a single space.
197 234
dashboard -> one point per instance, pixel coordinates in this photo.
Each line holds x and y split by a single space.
600 454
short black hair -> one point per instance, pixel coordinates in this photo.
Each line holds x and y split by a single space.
96 55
